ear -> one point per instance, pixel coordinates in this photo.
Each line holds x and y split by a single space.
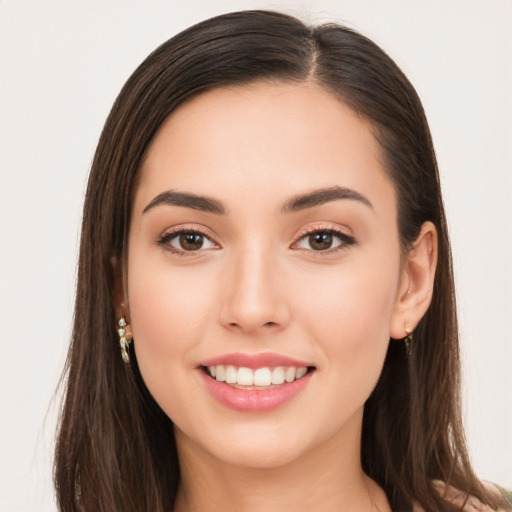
119 296
416 283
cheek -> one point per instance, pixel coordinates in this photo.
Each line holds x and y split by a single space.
165 302
351 303
348 317
170 312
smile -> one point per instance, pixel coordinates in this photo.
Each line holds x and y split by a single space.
248 378
257 382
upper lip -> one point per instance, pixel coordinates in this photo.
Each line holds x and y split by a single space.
261 360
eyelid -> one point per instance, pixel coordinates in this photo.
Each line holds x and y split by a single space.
344 234
328 226
171 233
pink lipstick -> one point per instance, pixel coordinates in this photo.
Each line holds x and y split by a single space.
255 382
260 360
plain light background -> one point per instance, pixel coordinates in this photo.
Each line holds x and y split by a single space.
62 64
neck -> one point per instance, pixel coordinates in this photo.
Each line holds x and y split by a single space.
328 478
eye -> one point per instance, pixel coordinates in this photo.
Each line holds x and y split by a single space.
324 240
186 241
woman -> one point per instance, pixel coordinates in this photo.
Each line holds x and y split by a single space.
264 229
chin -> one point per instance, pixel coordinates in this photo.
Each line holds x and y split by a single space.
259 455
257 446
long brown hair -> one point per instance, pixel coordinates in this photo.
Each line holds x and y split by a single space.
116 449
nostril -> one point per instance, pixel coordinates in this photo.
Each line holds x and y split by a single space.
267 324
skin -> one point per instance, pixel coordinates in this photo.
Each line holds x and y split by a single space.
258 285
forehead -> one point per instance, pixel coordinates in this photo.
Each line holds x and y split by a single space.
262 141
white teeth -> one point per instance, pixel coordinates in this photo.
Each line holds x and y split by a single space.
260 377
278 375
245 376
230 374
290 373
220 373
300 373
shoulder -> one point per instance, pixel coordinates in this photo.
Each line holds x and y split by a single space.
507 496
472 504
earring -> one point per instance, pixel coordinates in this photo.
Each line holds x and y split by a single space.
125 337
408 338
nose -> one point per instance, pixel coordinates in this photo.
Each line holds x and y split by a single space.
254 295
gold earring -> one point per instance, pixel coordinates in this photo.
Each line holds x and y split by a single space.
408 338
125 338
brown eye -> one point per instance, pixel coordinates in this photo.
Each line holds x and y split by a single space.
186 241
320 241
324 240
191 241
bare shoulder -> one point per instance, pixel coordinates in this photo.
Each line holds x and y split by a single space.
471 504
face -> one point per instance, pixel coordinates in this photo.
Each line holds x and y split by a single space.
263 249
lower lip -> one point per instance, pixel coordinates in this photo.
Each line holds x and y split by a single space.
254 400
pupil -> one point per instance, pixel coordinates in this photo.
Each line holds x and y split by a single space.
320 241
191 241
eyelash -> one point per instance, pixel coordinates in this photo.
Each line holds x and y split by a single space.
344 238
167 237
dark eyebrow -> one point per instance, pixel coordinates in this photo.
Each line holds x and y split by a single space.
321 196
187 200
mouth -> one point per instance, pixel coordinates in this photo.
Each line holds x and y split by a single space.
262 378
255 383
